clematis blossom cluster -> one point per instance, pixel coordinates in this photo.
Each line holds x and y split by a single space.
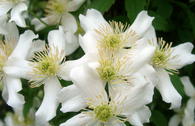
112 83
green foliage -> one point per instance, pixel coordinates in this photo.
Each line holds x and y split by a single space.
133 7
101 5
158 118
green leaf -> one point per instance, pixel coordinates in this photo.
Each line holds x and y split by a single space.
160 23
101 5
158 118
133 7
164 8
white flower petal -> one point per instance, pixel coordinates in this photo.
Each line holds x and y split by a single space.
69 65
150 35
13 34
50 20
24 45
92 20
74 104
78 120
67 93
69 23
17 14
49 105
88 42
183 55
137 97
71 99
136 63
140 117
1 123
74 5
142 23
37 45
168 92
18 68
189 115
56 39
5 7
188 87
89 83
71 43
9 120
3 22
175 120
13 86
149 73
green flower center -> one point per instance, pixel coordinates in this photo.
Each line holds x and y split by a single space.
112 41
46 64
103 113
107 71
48 67
160 58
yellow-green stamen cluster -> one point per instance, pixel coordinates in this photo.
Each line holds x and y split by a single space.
162 55
113 38
107 70
56 7
103 112
45 64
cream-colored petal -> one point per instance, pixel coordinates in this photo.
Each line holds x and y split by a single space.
78 120
71 99
3 21
13 86
37 46
18 68
24 44
71 43
189 114
57 40
89 84
92 20
67 67
74 5
88 42
49 105
188 87
175 120
69 23
168 92
142 23
182 55
139 117
17 14
5 7
74 104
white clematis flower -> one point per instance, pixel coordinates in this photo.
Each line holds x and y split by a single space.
58 12
17 8
167 60
186 115
13 119
114 109
113 48
10 48
44 68
189 115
